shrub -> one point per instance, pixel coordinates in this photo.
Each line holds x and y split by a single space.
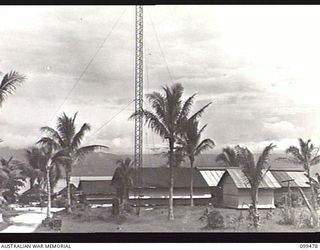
305 220
288 216
215 220
235 222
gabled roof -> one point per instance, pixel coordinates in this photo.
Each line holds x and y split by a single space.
241 180
160 177
212 177
299 178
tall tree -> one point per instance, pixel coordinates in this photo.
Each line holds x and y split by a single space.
254 172
228 157
66 137
166 118
192 146
37 170
44 168
121 179
306 155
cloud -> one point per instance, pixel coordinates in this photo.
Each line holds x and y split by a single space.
262 81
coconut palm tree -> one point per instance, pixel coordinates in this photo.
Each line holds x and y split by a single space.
306 155
9 83
122 178
254 173
67 138
228 157
166 118
192 146
37 168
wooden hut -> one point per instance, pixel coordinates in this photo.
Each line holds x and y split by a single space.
236 190
212 177
290 182
154 189
97 191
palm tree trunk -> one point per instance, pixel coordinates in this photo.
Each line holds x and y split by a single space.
170 214
313 200
255 207
68 192
191 182
49 194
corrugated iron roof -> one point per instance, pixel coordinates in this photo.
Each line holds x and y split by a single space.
212 177
241 180
160 177
299 179
90 187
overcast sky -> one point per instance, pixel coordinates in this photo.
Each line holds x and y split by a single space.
259 65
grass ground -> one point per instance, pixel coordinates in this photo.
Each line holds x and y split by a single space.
3 225
155 220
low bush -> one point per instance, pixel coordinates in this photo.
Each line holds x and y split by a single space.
215 220
305 220
288 216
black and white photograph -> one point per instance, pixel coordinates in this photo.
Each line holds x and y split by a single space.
159 119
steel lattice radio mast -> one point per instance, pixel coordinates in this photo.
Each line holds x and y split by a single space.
138 135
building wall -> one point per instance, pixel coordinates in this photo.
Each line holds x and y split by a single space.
159 196
281 192
239 198
265 198
229 192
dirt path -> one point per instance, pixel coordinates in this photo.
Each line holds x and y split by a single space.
27 222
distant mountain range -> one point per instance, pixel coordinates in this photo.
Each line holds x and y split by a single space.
104 164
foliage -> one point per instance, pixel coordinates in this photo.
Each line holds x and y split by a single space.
288 216
9 83
12 177
122 178
254 173
228 157
306 155
215 220
38 158
235 222
192 146
66 137
168 114
305 220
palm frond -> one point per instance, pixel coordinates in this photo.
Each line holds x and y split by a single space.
205 145
315 160
155 124
48 142
76 141
295 153
199 113
9 83
66 128
263 161
186 108
53 134
223 158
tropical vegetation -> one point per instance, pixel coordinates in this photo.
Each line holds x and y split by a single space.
166 118
192 146
254 173
66 137
122 178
